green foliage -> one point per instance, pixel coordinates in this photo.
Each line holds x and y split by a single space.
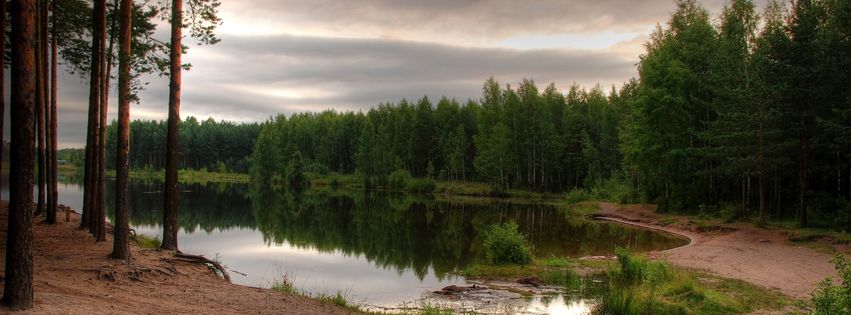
145 241
577 195
504 244
206 144
641 286
284 285
295 171
830 298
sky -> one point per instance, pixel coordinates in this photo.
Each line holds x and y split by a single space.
288 56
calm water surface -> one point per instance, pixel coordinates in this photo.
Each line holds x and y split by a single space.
377 249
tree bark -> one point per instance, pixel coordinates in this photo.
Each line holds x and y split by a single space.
803 180
40 106
96 220
2 84
53 190
172 144
104 109
89 177
17 291
120 249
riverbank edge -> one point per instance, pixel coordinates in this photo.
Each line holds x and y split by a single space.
333 180
689 227
73 274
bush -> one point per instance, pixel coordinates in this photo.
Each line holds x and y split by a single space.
504 244
420 185
398 179
615 189
835 299
401 180
576 196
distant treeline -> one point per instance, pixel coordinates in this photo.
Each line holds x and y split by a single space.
209 144
749 113
512 138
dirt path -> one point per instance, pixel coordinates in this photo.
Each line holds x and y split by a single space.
72 275
760 256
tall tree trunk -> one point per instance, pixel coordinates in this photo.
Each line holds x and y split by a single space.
121 246
172 145
53 190
40 106
803 180
17 286
104 109
2 84
45 88
89 177
96 220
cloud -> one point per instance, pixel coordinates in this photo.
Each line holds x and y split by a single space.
294 56
250 78
290 73
460 22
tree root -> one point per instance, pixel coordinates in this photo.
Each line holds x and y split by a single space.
198 259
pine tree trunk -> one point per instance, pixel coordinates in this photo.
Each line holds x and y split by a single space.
121 246
53 190
40 107
172 145
90 175
17 290
104 101
2 85
803 174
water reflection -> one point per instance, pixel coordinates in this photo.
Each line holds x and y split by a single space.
376 248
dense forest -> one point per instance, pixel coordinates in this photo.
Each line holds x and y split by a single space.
749 115
208 144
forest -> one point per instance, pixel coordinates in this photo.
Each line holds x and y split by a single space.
748 115
212 145
744 115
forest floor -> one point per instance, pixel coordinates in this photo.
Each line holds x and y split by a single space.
73 275
764 257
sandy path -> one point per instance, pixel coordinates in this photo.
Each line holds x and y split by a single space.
759 256
67 263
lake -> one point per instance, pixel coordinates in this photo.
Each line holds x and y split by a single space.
381 250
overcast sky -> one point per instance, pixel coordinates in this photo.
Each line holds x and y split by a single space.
292 56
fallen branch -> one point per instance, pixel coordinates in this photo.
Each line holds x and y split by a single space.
198 259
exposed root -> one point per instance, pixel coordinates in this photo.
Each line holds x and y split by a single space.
198 259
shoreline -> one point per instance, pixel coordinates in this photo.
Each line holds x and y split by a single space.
72 274
740 251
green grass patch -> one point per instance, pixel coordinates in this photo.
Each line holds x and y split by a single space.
641 286
284 285
145 241
186 176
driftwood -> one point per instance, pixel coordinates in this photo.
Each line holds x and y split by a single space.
198 259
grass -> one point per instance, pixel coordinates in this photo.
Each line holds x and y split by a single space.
187 176
145 241
420 185
648 287
639 286
286 284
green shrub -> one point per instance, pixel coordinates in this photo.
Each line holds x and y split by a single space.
632 267
576 196
401 180
285 285
398 179
615 189
834 299
504 244
420 185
